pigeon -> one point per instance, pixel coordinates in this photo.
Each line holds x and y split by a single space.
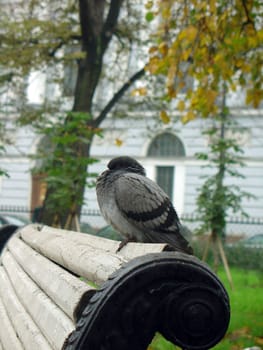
137 207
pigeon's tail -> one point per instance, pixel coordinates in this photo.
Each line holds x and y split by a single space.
174 239
178 242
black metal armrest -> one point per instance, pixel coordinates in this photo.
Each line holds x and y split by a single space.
171 293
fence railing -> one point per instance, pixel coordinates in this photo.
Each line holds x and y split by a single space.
235 225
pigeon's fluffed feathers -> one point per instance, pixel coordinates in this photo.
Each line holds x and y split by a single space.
137 207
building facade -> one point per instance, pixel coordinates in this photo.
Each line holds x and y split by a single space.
167 151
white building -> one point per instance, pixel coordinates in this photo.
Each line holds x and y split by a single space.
166 151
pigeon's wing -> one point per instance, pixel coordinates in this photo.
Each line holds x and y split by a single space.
146 206
144 203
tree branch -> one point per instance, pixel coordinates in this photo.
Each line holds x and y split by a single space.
249 19
111 21
116 97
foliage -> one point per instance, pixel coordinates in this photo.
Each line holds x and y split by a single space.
217 199
33 37
48 37
238 256
3 141
245 258
2 171
246 302
211 41
63 161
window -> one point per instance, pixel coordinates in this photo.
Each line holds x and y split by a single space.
166 145
165 165
165 179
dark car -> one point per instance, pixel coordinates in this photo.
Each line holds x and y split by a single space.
255 241
13 220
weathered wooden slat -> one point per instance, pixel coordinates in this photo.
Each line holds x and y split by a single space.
8 337
51 320
86 255
129 251
134 250
52 278
27 331
94 264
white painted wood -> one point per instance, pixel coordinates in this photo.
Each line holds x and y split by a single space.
51 320
26 329
86 255
8 337
94 264
63 288
128 252
134 250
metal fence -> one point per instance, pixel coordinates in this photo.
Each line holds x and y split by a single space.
236 226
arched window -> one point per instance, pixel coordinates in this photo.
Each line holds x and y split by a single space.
166 152
166 145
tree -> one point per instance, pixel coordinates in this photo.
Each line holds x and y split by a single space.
217 42
37 37
2 171
216 199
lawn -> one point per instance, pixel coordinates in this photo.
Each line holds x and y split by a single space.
246 324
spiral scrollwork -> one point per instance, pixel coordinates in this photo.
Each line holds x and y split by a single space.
194 316
171 293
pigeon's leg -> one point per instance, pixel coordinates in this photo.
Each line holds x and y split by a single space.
124 242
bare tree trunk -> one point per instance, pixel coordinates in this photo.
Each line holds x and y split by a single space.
96 34
215 251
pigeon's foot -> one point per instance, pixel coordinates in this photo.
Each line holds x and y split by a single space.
124 242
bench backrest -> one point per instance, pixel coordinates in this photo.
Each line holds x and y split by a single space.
62 289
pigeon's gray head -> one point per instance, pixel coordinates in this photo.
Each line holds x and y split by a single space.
126 164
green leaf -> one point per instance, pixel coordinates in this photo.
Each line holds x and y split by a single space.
149 16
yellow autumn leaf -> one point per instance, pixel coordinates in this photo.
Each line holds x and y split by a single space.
233 86
210 96
166 11
142 91
188 33
212 4
163 48
165 117
181 105
149 5
252 42
191 33
118 142
171 92
219 58
254 97
190 115
260 34
153 49
246 67
153 65
186 54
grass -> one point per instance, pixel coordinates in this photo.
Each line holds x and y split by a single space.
246 324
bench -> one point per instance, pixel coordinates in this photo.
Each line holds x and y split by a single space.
67 290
